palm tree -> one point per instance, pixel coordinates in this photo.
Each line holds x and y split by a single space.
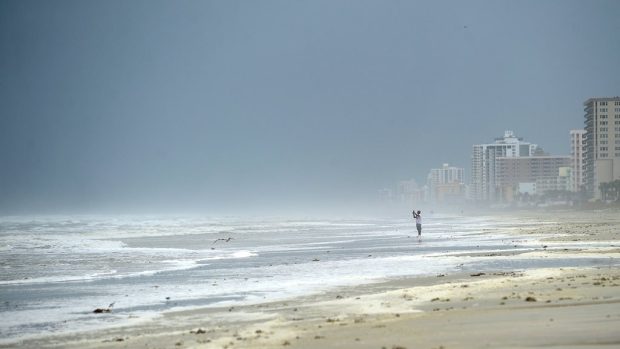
604 188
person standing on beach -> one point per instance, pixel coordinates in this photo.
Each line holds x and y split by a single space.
418 222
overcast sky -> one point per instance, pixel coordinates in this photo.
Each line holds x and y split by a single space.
235 105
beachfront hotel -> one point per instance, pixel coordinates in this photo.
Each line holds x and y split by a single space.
484 164
577 154
602 143
541 172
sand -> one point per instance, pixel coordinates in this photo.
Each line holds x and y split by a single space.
551 308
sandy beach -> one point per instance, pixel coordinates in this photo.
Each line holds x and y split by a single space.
533 308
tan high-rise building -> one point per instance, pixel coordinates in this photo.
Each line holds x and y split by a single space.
602 143
543 170
577 152
522 169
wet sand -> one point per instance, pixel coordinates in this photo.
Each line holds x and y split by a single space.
557 308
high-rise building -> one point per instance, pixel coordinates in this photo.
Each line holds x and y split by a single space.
577 153
544 170
408 192
562 181
445 184
405 192
602 146
484 165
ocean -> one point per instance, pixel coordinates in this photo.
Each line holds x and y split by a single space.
57 269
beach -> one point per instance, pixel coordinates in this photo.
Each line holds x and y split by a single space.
544 301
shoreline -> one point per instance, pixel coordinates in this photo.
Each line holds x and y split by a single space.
570 307
460 310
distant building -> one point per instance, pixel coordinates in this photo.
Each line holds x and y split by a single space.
602 146
562 181
544 170
405 192
528 188
449 193
445 185
408 192
386 195
484 186
577 153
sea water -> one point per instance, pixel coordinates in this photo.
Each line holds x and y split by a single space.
56 270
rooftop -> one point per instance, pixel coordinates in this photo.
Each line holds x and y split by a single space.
601 99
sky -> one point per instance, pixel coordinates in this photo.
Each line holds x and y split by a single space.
236 106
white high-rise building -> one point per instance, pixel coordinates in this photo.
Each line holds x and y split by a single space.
445 183
602 143
484 164
577 153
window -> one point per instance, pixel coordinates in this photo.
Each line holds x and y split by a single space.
603 155
617 103
602 103
603 129
602 142
602 122
604 135
603 149
604 116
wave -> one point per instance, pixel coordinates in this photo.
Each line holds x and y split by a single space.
161 266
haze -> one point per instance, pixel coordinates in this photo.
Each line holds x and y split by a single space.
238 106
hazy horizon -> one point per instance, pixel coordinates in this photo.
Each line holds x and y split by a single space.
275 106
